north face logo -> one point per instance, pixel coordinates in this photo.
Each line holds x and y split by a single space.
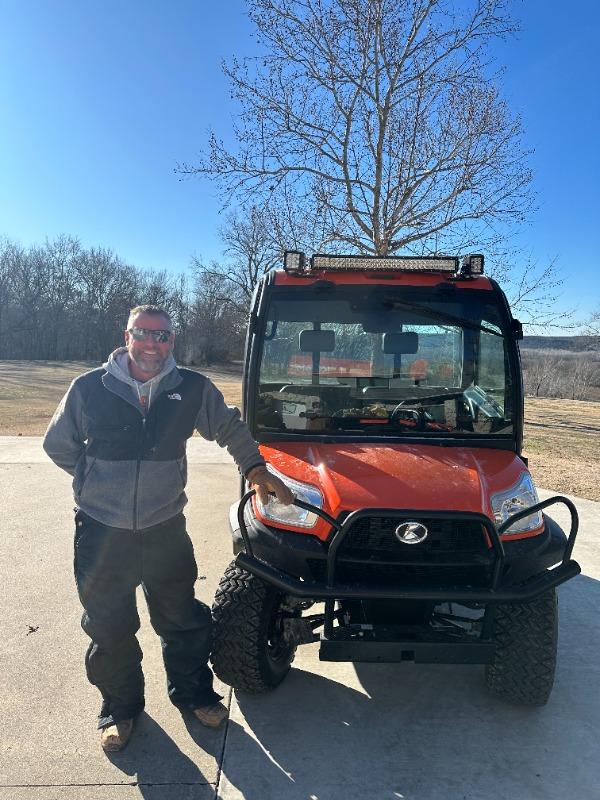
175 396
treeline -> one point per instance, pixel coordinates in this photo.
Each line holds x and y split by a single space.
574 344
61 301
561 373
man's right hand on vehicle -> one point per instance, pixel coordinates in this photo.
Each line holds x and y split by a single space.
264 482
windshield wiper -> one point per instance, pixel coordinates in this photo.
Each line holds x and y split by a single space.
393 302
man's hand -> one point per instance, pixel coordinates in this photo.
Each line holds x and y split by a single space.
264 482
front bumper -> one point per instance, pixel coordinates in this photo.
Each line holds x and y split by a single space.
519 570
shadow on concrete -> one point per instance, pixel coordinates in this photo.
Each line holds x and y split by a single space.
425 732
152 758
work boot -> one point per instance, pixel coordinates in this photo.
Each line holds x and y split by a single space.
211 716
115 737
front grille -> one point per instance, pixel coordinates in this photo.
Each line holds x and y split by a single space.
455 553
376 535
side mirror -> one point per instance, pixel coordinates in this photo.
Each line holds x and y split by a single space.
517 329
401 343
311 341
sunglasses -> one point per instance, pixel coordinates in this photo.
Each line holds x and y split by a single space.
159 336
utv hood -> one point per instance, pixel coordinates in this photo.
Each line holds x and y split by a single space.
403 476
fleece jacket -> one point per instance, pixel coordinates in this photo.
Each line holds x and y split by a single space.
127 457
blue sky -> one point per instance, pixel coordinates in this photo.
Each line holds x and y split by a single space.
100 100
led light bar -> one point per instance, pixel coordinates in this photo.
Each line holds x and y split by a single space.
387 264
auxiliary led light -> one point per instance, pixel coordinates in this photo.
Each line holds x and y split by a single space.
473 265
294 261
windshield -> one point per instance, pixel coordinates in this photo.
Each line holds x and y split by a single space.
384 361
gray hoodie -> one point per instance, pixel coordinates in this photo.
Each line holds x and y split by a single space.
142 482
118 365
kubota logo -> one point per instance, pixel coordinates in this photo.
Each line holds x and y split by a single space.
411 533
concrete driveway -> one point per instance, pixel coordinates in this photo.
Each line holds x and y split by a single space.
331 731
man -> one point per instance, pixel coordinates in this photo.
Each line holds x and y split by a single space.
121 431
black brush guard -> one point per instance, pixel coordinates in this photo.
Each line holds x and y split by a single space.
380 643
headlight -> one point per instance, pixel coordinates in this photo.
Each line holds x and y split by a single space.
292 515
517 498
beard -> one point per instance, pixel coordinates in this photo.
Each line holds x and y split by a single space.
152 365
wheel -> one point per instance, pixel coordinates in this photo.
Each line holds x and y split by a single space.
525 660
249 649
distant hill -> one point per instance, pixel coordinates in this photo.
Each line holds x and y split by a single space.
574 344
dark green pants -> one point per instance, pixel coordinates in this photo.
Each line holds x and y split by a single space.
109 564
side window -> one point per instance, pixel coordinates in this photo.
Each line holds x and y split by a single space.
281 360
491 367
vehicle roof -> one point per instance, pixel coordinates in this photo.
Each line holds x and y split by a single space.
283 278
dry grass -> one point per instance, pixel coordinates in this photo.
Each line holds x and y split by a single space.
562 441
562 437
31 390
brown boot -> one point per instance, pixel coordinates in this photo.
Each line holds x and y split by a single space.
212 716
115 737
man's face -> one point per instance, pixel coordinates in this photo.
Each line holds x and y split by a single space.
147 355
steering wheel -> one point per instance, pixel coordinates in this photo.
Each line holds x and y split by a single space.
417 414
473 408
421 416
430 397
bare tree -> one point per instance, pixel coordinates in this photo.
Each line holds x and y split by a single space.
380 118
593 324
48 292
218 326
12 257
586 372
540 372
250 251
307 226
155 286
181 308
532 289
254 242
106 293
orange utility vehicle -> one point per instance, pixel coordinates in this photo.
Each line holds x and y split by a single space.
387 393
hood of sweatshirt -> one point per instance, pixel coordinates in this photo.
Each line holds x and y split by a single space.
117 365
